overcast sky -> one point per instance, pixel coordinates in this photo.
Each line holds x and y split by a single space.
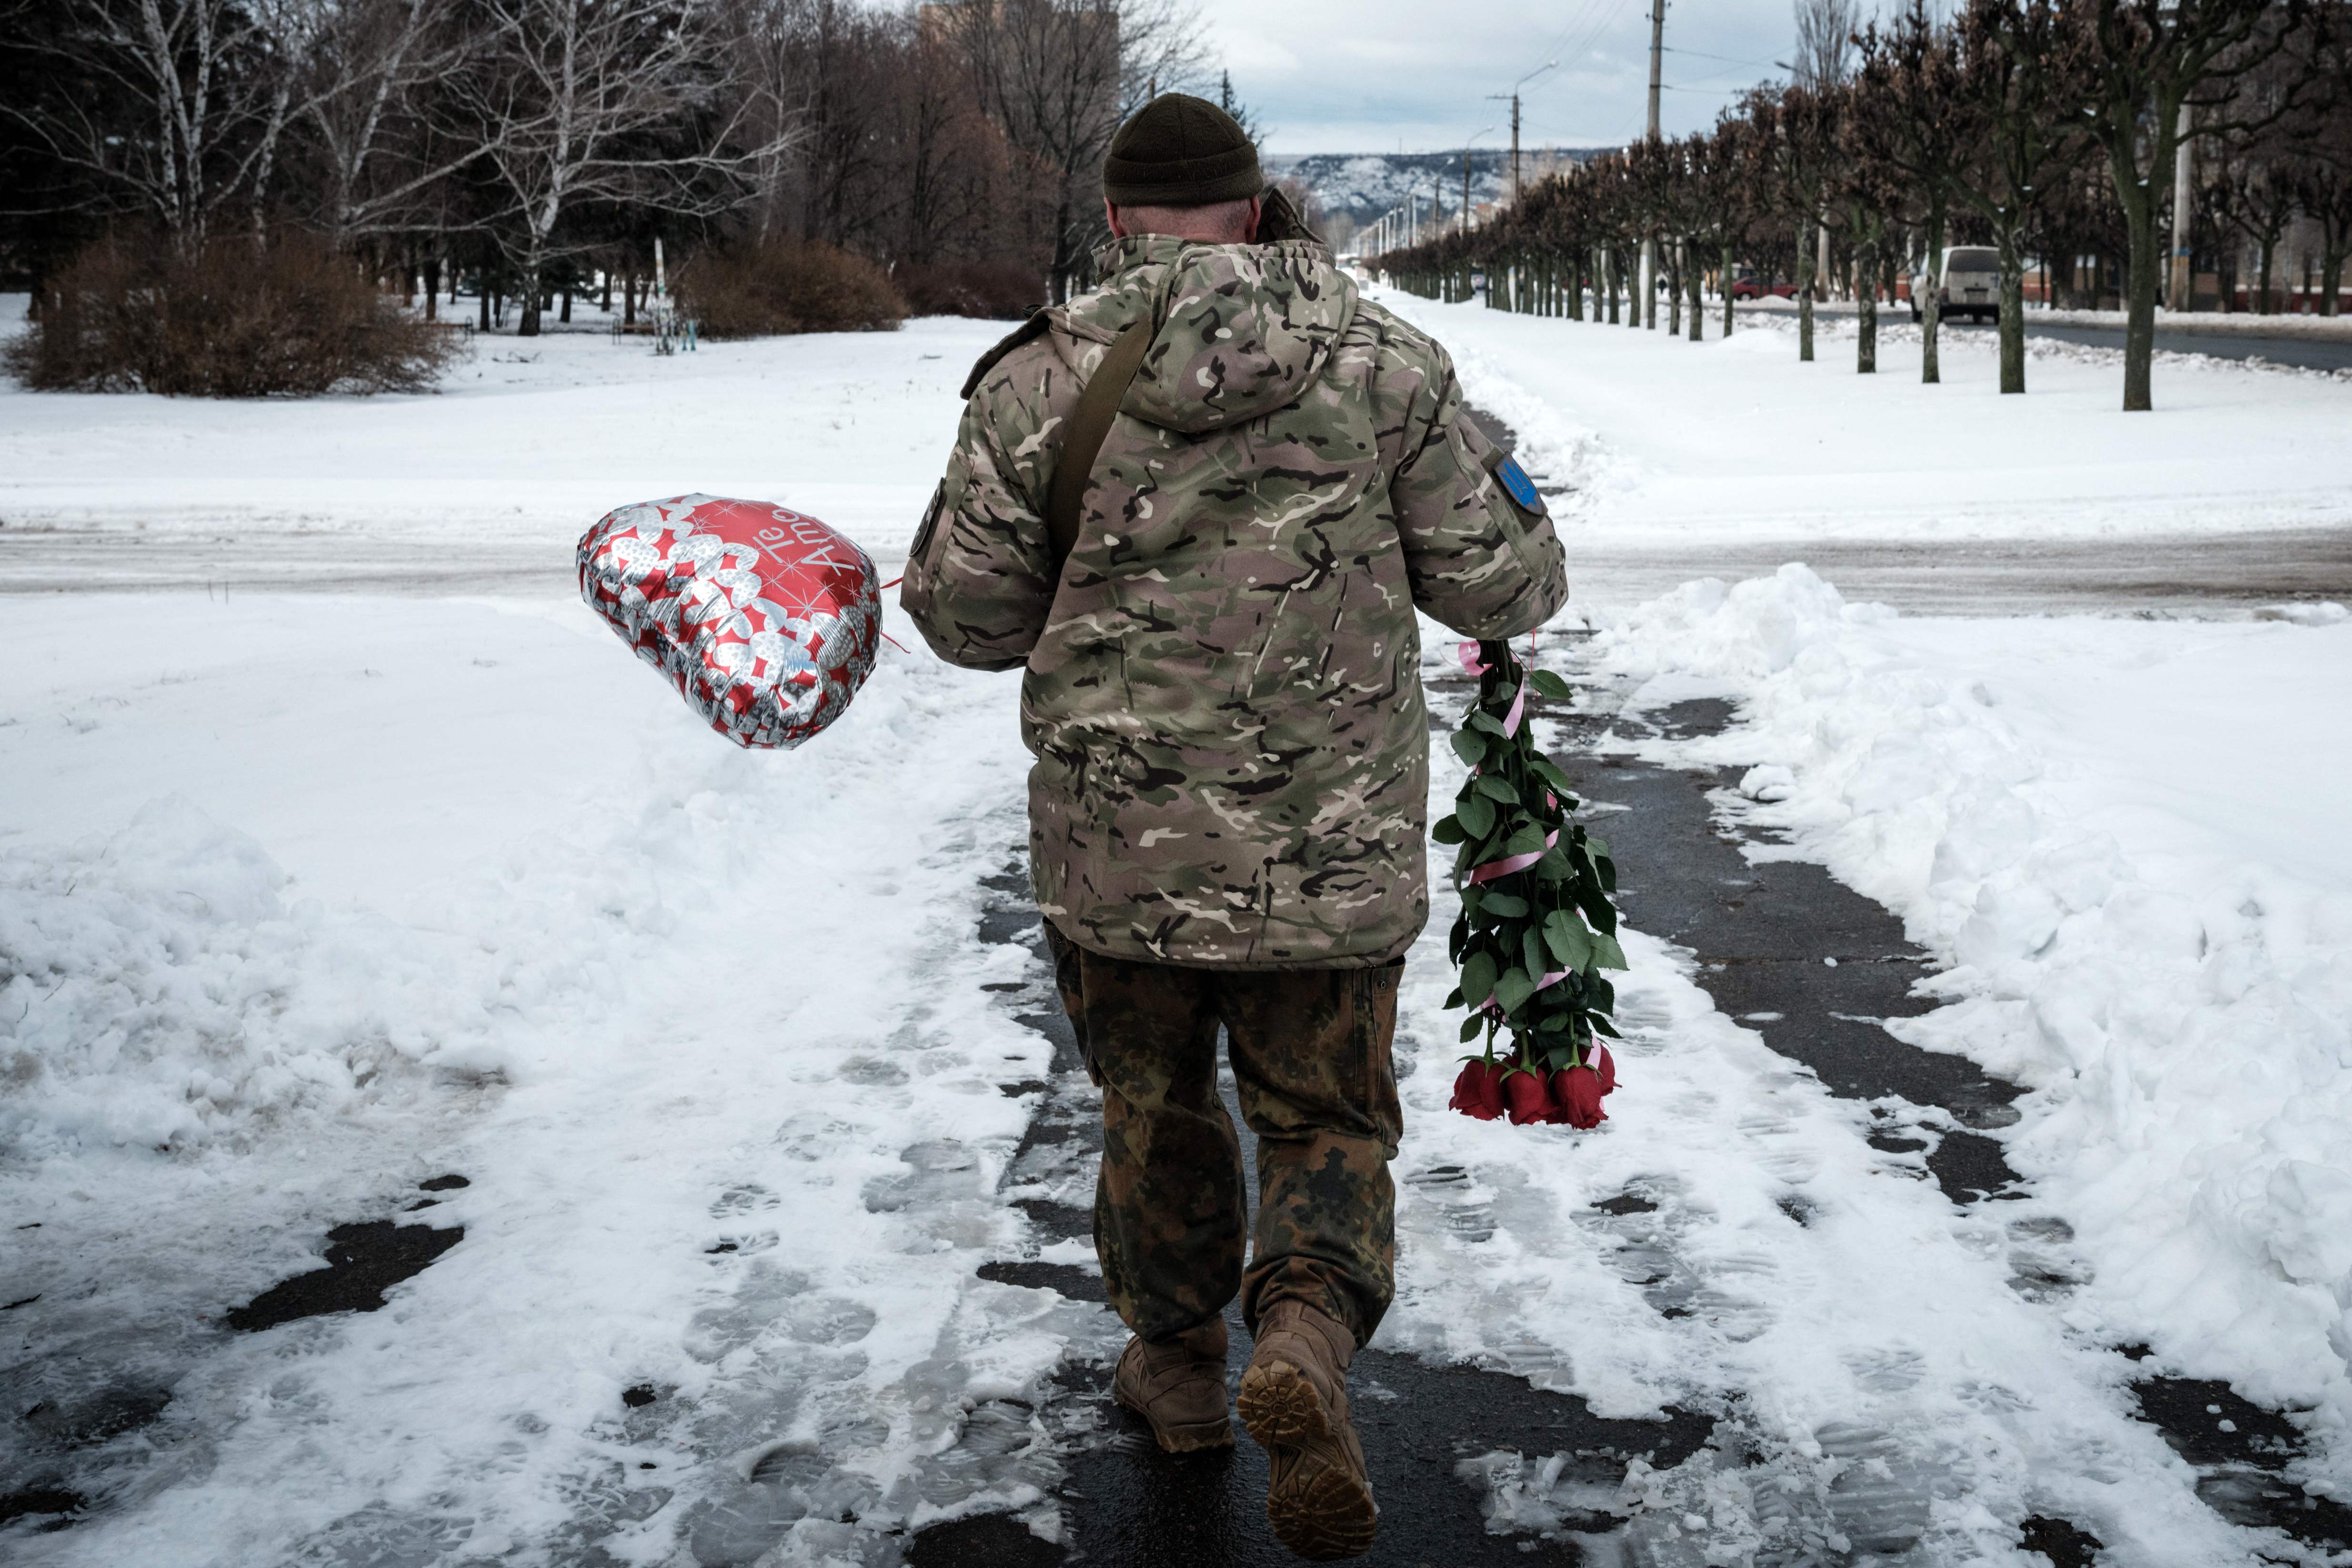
1380 76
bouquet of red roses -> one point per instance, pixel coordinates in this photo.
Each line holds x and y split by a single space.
1536 927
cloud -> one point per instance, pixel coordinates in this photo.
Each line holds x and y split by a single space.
1342 75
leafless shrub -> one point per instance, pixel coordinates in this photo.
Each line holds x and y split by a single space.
757 290
994 291
230 319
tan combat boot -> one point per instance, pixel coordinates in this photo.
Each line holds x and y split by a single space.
1180 1387
1294 1403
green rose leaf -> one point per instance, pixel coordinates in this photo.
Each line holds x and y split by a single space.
1569 942
1470 1028
1513 988
1553 686
1494 788
1507 905
1527 840
1481 720
1607 954
1470 746
1446 830
1477 978
1475 814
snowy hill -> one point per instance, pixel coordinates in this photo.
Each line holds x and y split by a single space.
1365 185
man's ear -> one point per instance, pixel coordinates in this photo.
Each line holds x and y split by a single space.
1110 216
1257 210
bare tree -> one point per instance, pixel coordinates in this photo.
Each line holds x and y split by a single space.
604 100
1825 43
210 97
2024 71
1060 75
2150 61
1794 154
1913 117
361 66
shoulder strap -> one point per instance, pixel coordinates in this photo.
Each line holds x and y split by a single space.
1089 423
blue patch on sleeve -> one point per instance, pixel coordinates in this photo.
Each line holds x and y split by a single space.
1522 488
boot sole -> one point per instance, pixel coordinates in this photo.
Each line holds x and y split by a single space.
1330 1514
1192 1438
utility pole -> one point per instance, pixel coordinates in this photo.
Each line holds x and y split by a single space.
1650 241
1513 96
1657 52
1514 149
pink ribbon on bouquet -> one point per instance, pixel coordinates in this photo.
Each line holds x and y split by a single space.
1468 652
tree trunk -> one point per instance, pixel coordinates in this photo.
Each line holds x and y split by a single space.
1649 276
2139 321
2331 281
2264 253
1931 309
1061 261
1804 299
432 288
1866 303
2012 313
1609 278
527 324
1690 278
1673 292
483 299
1726 276
629 297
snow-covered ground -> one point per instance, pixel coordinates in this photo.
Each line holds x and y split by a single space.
514 448
306 899
1673 442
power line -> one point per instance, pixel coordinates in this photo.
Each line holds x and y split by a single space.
1702 54
1604 19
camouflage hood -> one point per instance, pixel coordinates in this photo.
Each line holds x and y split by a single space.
1242 330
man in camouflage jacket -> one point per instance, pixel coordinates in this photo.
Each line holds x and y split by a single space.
1222 694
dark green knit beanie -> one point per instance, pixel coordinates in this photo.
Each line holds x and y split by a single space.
1178 151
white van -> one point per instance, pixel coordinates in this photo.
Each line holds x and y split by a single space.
1970 286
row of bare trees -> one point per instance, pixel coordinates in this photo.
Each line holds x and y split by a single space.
521 136
2042 128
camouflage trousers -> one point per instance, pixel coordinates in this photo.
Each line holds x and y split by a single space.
1310 1055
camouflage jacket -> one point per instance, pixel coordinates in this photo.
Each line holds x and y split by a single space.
1223 691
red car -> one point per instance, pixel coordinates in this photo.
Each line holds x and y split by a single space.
1747 285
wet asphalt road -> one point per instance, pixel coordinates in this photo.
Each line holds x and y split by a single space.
1938 1117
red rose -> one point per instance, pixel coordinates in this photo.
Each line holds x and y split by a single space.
1597 1056
1530 1100
1478 1092
1577 1091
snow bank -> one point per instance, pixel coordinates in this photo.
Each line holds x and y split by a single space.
161 992
2174 986
336 894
